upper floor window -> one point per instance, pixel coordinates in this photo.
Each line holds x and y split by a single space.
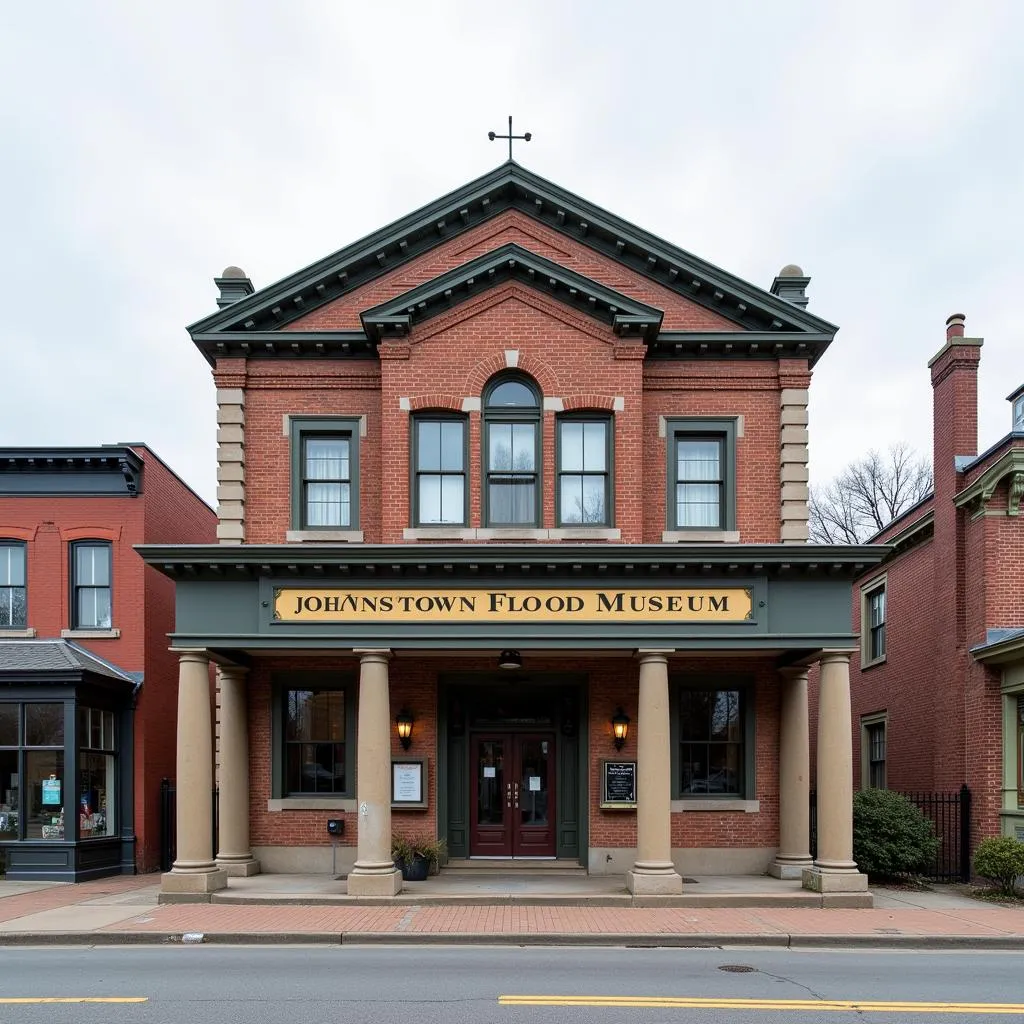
512 453
90 584
584 471
701 474
439 470
12 585
325 473
873 624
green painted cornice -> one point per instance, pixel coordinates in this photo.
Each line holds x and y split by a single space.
511 262
977 495
509 187
592 562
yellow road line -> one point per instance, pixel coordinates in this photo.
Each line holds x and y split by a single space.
74 999
695 1003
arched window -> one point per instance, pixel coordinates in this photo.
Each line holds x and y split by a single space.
511 452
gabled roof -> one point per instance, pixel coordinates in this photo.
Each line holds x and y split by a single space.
248 324
58 656
511 262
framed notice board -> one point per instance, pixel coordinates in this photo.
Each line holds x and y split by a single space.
618 785
408 783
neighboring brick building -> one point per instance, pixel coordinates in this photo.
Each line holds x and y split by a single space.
513 474
87 684
938 685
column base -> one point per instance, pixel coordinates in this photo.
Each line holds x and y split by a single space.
790 868
240 867
374 883
825 880
654 883
193 881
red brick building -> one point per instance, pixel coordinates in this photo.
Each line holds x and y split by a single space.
87 685
938 683
508 477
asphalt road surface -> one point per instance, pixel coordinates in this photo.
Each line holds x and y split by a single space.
481 985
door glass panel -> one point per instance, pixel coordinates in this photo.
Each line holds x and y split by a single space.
533 782
490 782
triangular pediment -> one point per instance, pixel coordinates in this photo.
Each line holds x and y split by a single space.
259 322
511 262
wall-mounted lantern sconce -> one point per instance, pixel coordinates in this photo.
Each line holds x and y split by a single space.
510 660
404 723
620 727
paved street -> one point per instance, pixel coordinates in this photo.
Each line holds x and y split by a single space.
398 985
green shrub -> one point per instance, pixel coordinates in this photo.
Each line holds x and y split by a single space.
891 836
1001 861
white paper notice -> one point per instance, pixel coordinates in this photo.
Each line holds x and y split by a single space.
534 783
489 772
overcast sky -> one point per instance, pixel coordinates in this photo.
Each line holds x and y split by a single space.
147 146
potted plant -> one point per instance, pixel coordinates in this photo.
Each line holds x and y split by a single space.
417 857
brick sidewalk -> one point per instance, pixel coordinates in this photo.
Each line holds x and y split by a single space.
124 908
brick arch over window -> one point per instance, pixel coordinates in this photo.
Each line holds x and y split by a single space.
424 403
481 374
107 533
587 403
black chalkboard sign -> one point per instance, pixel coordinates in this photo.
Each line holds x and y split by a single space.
618 788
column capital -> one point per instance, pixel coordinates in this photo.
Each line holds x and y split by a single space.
835 657
191 655
794 671
232 670
381 655
654 654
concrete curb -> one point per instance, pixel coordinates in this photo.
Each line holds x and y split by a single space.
778 940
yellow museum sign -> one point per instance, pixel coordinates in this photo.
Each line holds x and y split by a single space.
421 604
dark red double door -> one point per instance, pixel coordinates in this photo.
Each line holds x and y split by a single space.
512 806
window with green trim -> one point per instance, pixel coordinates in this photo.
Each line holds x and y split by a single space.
713 748
325 473
701 474
439 471
313 735
90 584
512 417
584 471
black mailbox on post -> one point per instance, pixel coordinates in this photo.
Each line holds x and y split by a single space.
335 826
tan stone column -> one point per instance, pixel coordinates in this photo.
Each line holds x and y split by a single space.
794 776
653 872
194 869
234 853
374 873
834 869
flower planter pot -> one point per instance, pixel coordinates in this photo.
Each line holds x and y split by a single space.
415 870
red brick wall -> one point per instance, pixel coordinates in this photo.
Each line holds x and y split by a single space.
413 684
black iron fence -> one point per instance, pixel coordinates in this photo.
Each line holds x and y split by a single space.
169 822
950 815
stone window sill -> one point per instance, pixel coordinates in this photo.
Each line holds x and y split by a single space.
461 533
719 806
872 664
324 536
17 634
700 537
317 803
90 634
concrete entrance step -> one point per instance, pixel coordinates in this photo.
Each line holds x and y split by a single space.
510 866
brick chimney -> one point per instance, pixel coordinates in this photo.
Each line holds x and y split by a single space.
954 405
233 285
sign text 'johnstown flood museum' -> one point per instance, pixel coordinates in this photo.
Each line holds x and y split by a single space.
513 554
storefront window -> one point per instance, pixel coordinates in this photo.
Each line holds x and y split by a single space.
44 725
97 773
44 779
8 791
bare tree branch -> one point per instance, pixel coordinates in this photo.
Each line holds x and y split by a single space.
868 495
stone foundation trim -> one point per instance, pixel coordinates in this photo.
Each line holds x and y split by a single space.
826 880
647 882
789 869
181 880
239 868
362 882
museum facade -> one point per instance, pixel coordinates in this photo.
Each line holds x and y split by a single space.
513 554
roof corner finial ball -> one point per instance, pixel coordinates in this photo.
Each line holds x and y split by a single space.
528 136
490 135
233 272
791 270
